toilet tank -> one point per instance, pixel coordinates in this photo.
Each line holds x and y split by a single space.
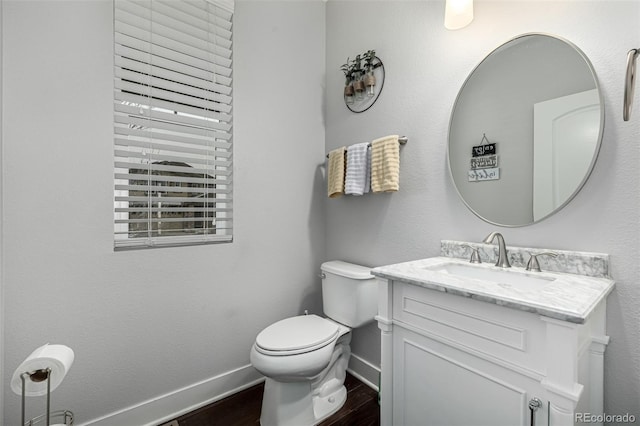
349 293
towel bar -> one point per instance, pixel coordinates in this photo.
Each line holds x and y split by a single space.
402 140
629 83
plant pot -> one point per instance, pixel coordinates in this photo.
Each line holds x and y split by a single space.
359 88
370 83
348 93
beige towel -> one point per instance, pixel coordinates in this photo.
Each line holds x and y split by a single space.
335 173
385 164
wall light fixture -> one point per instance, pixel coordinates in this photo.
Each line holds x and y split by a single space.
458 14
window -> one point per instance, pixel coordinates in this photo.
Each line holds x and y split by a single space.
173 122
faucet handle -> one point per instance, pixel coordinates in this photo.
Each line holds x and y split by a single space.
533 264
475 256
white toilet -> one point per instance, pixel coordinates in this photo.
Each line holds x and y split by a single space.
305 358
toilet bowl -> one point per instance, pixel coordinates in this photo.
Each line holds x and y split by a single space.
284 352
304 381
305 358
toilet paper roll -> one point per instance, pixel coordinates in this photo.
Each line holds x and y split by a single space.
56 357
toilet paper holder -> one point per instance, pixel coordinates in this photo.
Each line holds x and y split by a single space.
38 376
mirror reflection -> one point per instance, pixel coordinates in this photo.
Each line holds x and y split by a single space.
525 130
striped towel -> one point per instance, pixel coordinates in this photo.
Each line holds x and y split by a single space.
385 164
358 180
335 173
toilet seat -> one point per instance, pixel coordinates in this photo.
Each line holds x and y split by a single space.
296 335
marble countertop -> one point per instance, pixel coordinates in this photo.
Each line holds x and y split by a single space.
567 297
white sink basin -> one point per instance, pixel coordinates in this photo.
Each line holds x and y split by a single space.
503 277
563 296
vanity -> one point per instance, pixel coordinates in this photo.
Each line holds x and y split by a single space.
477 344
482 335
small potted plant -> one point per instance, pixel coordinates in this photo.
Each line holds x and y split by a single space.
347 69
369 79
358 84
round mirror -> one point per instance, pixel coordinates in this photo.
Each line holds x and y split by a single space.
525 130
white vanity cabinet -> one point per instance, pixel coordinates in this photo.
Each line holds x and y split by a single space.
456 358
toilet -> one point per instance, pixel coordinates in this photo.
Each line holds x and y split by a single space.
305 358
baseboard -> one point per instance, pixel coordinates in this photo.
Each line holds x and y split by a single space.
364 371
174 404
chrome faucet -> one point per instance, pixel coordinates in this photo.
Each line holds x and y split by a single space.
503 259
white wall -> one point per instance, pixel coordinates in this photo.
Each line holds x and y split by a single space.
145 323
426 65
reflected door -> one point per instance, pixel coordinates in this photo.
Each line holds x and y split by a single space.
565 138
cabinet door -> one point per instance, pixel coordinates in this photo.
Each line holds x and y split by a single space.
436 384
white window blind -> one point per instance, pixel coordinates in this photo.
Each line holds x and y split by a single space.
173 122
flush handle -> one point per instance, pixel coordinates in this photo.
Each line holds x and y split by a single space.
322 275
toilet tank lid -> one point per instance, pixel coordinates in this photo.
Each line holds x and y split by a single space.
346 269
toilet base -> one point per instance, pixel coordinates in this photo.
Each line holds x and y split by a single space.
308 402
324 407
293 404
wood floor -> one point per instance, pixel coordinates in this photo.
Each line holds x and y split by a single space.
243 409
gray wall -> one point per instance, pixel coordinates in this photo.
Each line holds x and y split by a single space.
145 323
426 65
